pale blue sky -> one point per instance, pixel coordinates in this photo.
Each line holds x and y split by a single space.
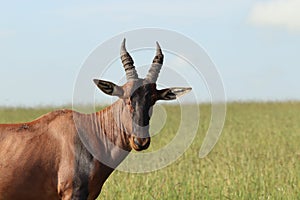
254 44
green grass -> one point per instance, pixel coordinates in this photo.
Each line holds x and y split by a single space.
257 157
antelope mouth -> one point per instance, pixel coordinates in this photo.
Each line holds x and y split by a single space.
140 144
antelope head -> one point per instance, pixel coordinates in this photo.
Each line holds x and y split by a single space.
138 96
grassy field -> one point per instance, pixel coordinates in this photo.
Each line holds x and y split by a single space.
257 157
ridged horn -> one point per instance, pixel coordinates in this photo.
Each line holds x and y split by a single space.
127 62
156 65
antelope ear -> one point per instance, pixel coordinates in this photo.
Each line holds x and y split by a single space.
172 93
109 88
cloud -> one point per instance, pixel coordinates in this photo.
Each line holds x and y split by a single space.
277 13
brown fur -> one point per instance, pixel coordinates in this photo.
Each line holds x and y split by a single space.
37 158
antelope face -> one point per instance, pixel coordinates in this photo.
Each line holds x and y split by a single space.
141 102
139 96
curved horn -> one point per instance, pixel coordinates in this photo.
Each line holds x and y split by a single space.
128 63
156 65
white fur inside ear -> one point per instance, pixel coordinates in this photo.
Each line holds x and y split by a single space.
180 91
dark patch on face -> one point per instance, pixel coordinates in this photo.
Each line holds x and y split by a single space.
142 100
83 167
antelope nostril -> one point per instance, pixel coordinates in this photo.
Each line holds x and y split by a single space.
137 142
142 143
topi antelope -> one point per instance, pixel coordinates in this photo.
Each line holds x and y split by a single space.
47 158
